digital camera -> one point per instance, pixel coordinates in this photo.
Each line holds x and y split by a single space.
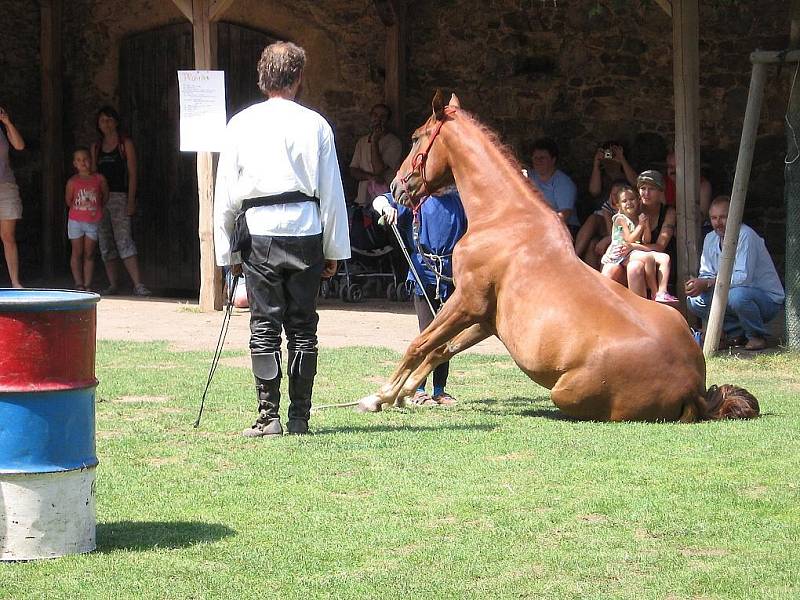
607 153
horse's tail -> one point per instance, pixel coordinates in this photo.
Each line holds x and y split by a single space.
729 402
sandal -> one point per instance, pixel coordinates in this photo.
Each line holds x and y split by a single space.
444 399
422 398
80 288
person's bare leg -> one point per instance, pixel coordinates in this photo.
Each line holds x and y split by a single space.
590 229
7 233
132 266
76 261
89 246
663 270
112 272
636 278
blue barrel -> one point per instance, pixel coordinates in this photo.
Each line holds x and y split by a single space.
47 423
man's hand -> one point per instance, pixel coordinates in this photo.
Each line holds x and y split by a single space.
377 133
330 268
599 154
696 286
390 215
4 118
131 207
617 153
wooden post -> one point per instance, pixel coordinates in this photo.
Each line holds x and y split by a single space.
53 223
686 77
393 15
740 181
205 58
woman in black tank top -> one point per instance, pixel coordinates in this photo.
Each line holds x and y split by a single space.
114 156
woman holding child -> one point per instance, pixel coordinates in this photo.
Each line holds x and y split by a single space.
657 223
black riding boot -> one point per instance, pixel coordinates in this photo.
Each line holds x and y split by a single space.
269 400
302 368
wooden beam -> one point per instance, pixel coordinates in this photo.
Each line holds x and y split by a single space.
395 83
666 5
686 77
53 223
740 182
205 58
386 12
771 57
185 6
217 8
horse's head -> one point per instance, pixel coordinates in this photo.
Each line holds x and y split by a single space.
427 166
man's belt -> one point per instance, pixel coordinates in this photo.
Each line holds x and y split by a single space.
284 198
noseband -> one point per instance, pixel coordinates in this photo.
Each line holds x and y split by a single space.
418 166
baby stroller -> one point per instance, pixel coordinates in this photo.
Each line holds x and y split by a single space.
376 267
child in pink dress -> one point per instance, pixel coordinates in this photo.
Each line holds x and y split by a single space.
86 195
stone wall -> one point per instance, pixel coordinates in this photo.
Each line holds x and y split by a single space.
586 71
581 71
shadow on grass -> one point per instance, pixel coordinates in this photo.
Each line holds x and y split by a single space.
147 535
401 429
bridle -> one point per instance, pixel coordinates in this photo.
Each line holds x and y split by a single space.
418 166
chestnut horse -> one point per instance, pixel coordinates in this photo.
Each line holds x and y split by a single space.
604 352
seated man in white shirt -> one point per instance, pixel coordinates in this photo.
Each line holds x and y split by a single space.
756 294
278 167
376 157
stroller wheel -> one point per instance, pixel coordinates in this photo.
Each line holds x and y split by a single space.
402 293
355 293
343 293
391 290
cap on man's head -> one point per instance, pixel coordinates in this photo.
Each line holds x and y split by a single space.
652 177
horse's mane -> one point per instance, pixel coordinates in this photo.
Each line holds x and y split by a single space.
494 138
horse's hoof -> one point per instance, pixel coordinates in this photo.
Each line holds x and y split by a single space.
370 404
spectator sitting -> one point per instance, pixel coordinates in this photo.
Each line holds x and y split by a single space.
376 157
630 231
558 189
594 235
608 166
661 222
756 293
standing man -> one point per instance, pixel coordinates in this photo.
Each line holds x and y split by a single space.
377 156
558 189
279 168
756 294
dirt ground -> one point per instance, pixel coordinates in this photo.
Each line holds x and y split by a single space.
371 323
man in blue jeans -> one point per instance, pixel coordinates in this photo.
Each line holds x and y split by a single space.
756 294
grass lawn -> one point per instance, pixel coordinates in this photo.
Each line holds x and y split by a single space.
497 497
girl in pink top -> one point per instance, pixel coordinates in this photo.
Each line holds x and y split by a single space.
86 195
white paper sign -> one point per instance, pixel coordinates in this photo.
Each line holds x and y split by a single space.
203 116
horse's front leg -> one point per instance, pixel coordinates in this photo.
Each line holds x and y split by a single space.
450 321
466 339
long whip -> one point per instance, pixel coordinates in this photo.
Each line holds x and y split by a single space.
226 319
411 266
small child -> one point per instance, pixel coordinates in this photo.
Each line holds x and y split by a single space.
629 231
86 195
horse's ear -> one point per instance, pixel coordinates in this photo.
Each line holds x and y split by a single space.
454 102
438 104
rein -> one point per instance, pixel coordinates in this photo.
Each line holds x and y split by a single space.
418 166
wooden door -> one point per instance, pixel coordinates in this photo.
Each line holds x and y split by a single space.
165 228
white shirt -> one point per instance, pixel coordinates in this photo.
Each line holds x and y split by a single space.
391 150
273 147
752 267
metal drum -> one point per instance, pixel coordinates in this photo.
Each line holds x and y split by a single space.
47 423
